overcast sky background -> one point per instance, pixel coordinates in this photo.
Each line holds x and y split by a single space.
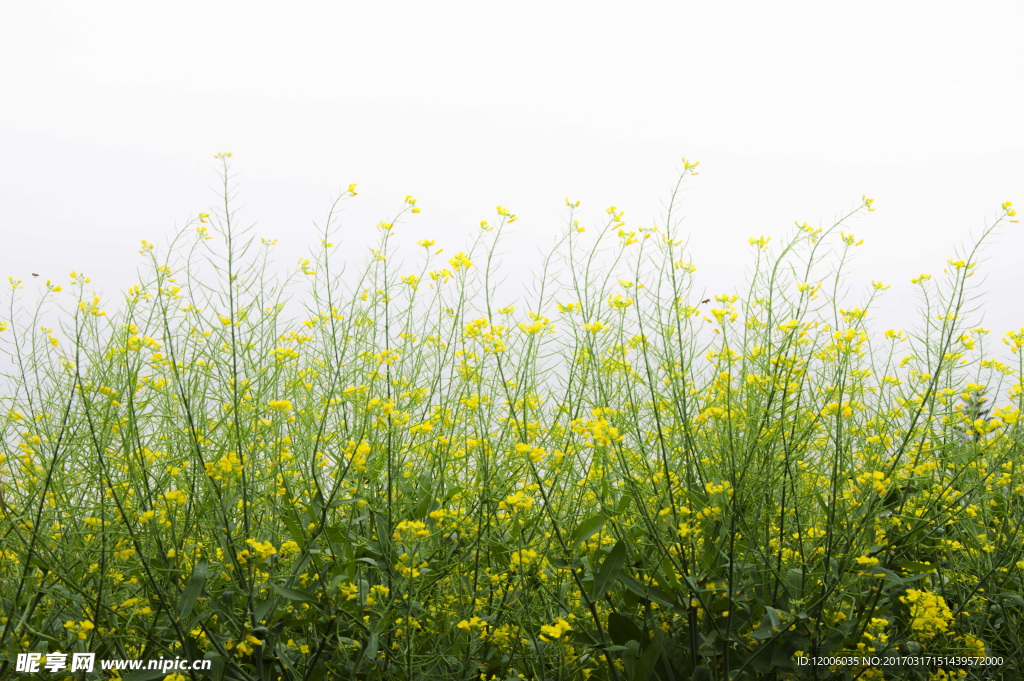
110 115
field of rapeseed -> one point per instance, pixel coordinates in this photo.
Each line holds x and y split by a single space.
609 480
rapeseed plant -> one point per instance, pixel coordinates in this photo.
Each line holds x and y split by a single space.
416 481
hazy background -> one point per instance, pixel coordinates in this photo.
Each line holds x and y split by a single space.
110 114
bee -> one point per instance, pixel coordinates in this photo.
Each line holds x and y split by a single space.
705 301
34 274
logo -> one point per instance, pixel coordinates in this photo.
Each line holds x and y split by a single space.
32 663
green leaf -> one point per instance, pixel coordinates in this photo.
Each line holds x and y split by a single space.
300 565
609 570
370 651
623 630
766 629
294 594
645 665
263 608
335 582
217 666
707 643
291 522
795 579
371 561
888 575
426 493
588 528
914 566
318 672
667 577
831 642
583 637
282 655
383 531
761 659
192 590
652 594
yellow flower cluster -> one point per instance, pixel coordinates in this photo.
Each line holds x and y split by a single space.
227 465
521 559
516 502
410 530
460 261
262 549
81 629
929 613
975 646
534 452
409 566
472 623
555 631
175 496
537 324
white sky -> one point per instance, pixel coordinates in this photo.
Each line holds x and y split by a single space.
110 115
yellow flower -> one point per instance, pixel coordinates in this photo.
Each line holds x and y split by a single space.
460 261
556 630
280 405
929 613
411 529
504 212
263 549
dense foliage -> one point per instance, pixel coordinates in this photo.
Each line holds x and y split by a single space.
614 481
